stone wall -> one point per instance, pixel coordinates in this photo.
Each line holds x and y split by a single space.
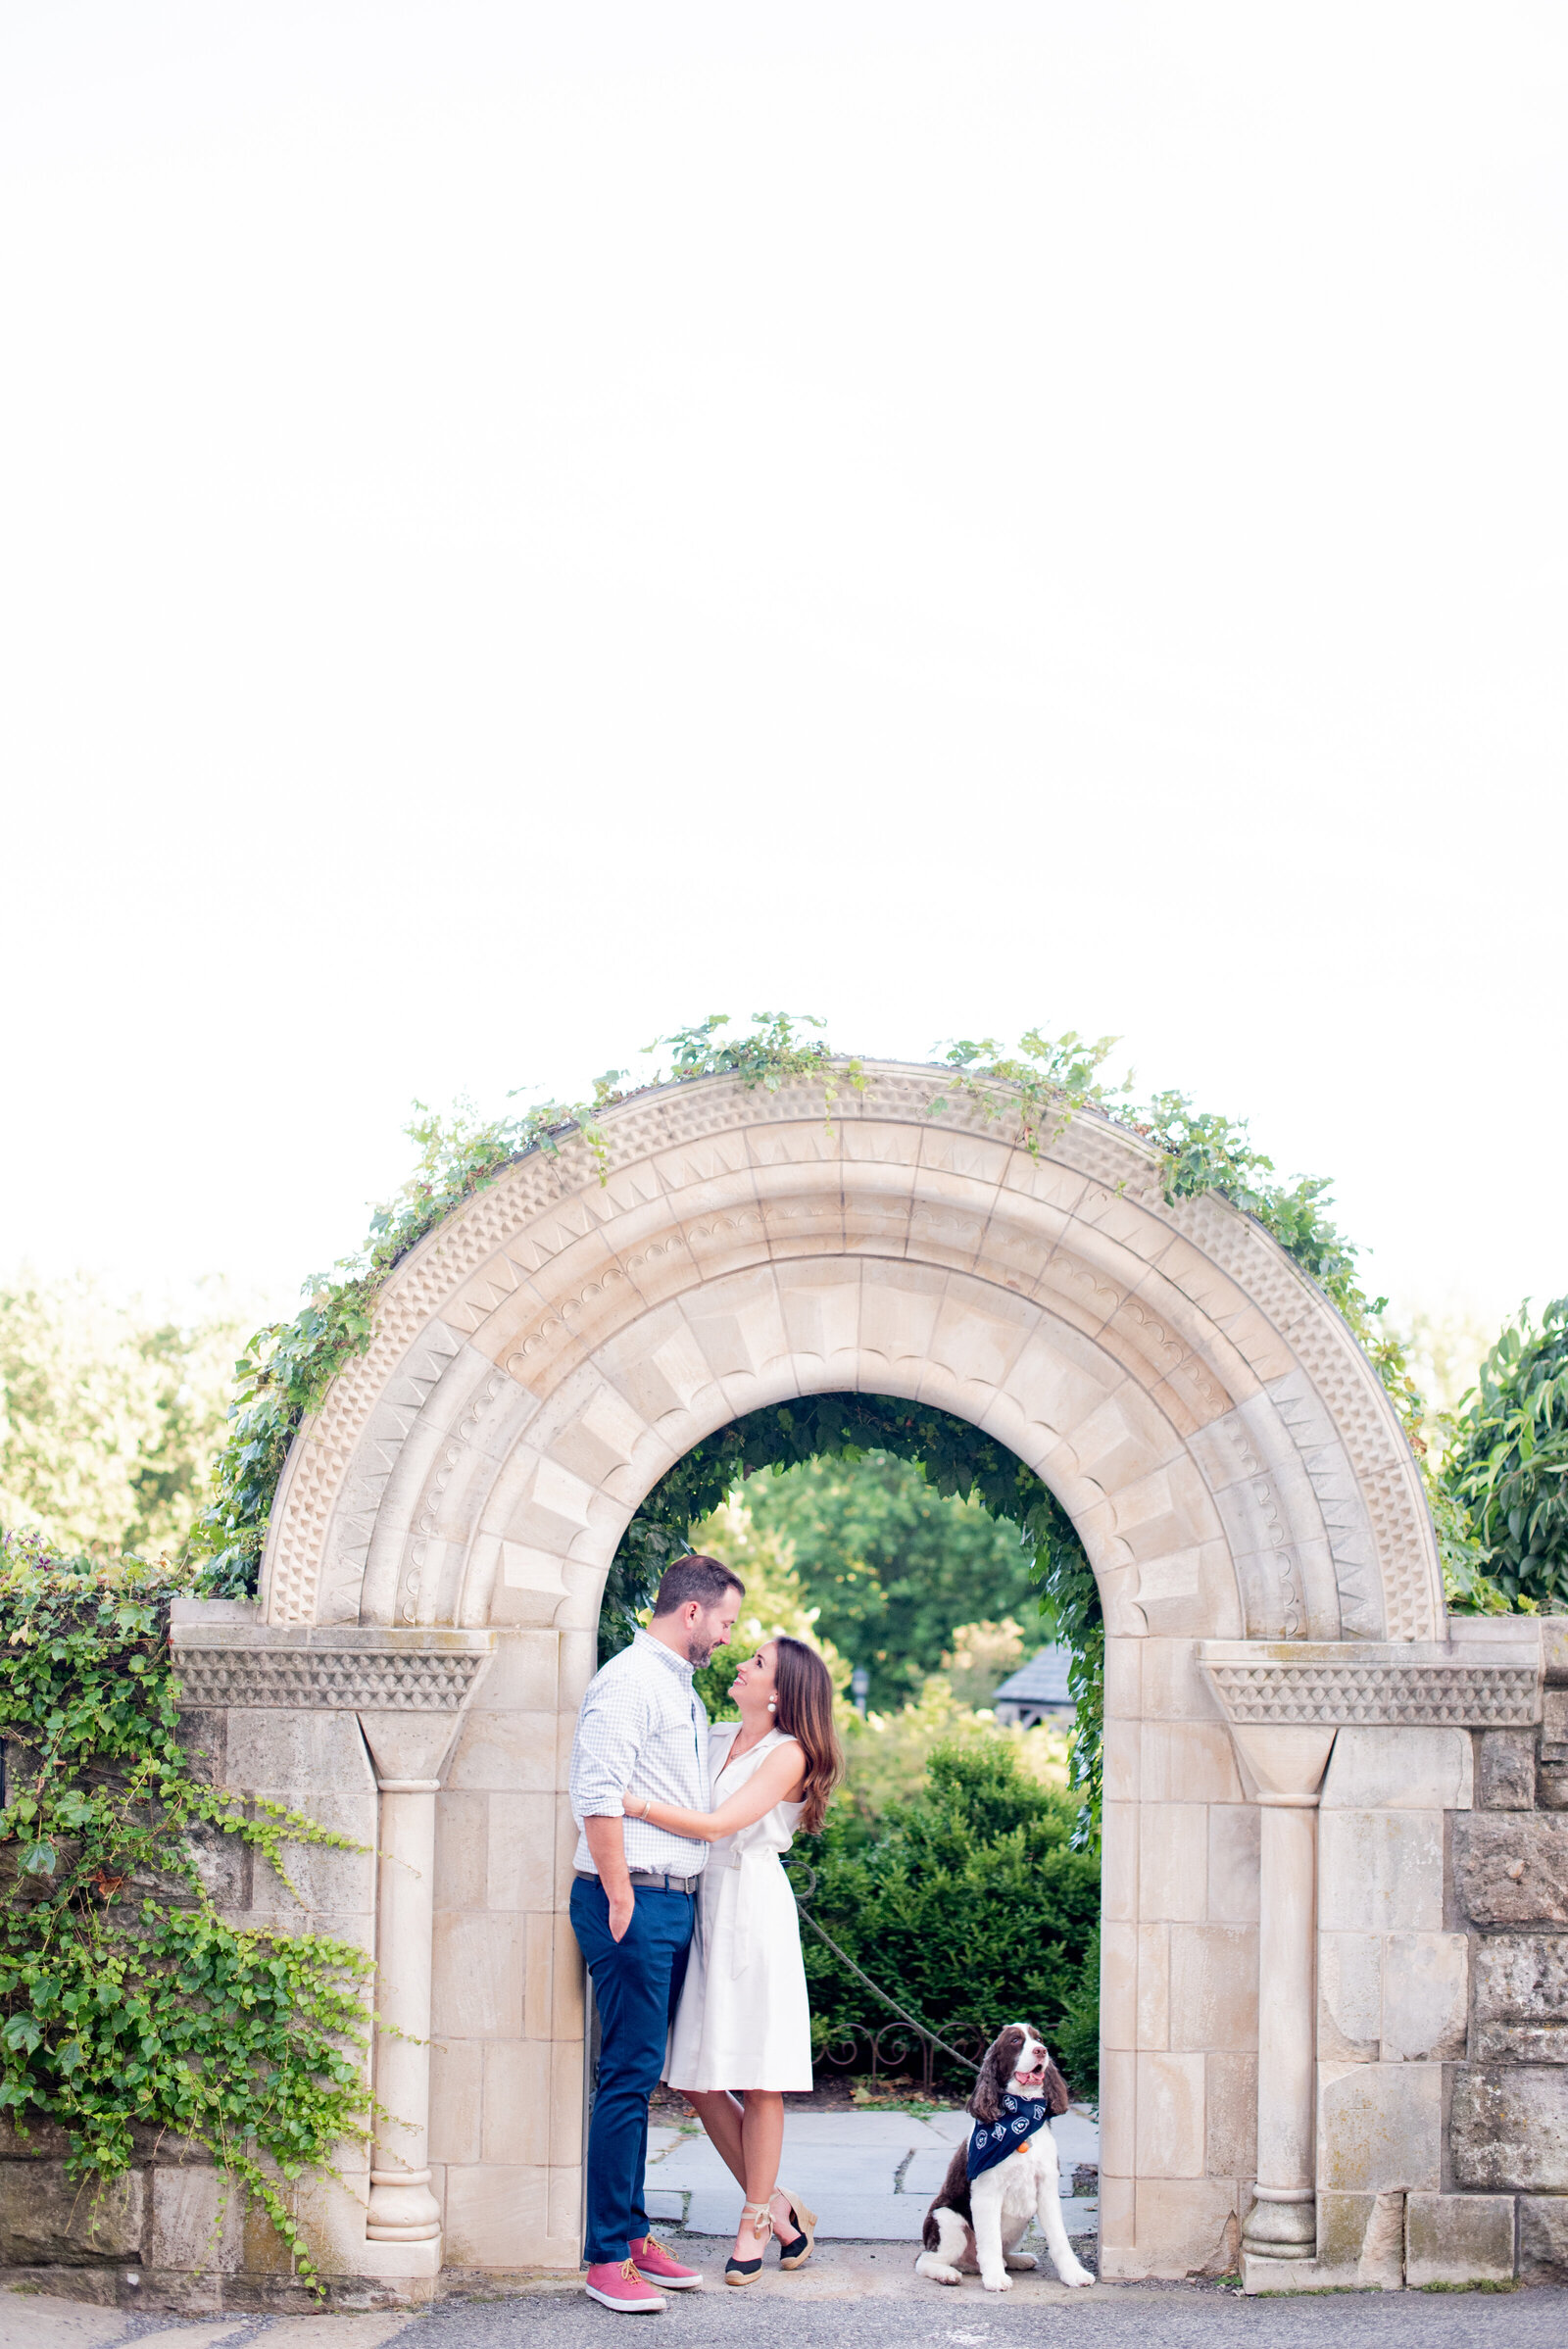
1508 2122
174 2232
1443 1997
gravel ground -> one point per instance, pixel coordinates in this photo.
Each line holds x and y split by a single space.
854 2296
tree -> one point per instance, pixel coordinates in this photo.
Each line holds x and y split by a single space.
891 1565
109 1416
1508 1466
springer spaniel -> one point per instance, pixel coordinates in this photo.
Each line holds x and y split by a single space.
1005 2174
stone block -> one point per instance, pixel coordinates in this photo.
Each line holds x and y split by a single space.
1119 1757
1380 1871
1213 1988
1170 2116
1459 2240
505 1753
1425 1997
1380 2127
523 1675
1543 2238
1398 1769
1173 1685
520 1855
477 1986
1505 1769
1119 2219
567 2103
1342 2221
1509 2129
1552 1786
456 2075
1511 1869
1118 2111
1124 1679
1173 1861
516 2101
1229 2116
1187 2226
50 2219
198 2220
1233 1862
1118 1984
1153 1986
1118 1863
1188 1761
1350 1997
41 2141
462 1833
1522 1978
496 2215
1521 2043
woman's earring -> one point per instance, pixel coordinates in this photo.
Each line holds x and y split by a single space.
771 1706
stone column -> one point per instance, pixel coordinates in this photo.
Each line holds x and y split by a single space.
1287 1765
408 1750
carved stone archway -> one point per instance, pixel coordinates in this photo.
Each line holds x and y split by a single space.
1236 1472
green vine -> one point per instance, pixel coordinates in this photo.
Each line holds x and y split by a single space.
126 2004
288 1369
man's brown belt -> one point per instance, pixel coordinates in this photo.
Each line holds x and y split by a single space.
647 1880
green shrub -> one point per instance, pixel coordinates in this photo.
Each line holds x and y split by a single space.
971 1906
1507 1464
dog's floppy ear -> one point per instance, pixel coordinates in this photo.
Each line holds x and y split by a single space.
994 2073
1058 2094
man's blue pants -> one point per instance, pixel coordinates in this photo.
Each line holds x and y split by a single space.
636 1986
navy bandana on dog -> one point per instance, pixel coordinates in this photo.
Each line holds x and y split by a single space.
992 2142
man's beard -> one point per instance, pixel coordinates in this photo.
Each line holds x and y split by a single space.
701 1652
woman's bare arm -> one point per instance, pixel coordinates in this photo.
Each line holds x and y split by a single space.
778 1781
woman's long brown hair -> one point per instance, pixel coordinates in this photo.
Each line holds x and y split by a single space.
804 1702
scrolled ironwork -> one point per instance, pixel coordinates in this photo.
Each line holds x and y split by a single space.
891 2043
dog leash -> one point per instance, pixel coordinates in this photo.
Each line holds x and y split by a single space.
861 1975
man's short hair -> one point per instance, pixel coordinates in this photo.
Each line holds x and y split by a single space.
695 1577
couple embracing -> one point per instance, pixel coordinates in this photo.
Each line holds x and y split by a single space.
686 1919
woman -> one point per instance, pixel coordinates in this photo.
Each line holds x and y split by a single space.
743 2029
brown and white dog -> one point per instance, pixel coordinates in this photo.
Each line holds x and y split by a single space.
980 2223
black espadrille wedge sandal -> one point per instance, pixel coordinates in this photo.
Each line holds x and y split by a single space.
760 2218
800 2247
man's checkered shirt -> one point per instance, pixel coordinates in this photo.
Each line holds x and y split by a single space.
644 1726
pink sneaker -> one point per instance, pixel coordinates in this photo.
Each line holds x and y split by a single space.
652 2260
621 2288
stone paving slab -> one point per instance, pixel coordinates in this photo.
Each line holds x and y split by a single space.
870 2175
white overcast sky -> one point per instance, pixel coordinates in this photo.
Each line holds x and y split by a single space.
525 525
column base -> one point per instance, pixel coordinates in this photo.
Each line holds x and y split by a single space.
402 2207
400 2263
1281 2225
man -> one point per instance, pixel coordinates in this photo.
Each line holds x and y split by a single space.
633 1903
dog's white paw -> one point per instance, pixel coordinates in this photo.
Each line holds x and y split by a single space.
1073 2274
935 2271
1021 2259
998 2283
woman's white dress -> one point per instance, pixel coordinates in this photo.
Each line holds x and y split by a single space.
744 2021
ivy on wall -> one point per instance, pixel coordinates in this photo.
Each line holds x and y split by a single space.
128 2005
